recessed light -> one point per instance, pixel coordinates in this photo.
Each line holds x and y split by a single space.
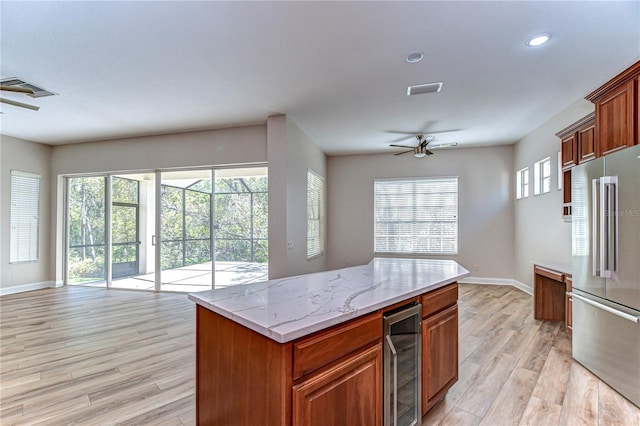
414 57
538 39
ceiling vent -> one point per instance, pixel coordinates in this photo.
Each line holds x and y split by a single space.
38 92
424 88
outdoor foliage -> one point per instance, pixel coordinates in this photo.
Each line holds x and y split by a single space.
86 229
241 223
241 212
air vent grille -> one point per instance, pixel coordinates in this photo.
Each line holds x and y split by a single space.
424 88
38 92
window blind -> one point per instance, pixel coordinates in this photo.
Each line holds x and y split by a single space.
418 215
315 214
25 216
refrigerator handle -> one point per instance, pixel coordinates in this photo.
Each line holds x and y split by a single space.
606 308
613 223
595 233
608 225
604 229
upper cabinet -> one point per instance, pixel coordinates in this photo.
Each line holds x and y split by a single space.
578 142
617 119
613 126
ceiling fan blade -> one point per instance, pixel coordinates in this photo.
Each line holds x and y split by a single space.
404 152
426 151
403 146
404 138
16 89
19 104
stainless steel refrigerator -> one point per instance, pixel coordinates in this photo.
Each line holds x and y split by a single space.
605 197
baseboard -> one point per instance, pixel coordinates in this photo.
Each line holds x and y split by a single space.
497 281
29 287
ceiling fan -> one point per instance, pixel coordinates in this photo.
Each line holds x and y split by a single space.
18 89
421 150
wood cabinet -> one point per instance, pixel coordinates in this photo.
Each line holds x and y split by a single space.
440 355
439 344
587 140
578 142
569 146
617 112
614 125
332 377
550 298
548 294
569 303
349 393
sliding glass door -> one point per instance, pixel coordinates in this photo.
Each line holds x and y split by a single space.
86 230
185 230
241 230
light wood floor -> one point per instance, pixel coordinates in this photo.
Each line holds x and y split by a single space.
77 355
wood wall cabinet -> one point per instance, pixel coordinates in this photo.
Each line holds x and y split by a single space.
569 146
578 144
439 344
617 115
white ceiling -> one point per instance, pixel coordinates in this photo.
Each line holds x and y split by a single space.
337 69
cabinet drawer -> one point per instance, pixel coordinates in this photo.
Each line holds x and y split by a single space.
311 353
440 299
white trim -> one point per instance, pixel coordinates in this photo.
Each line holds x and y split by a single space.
29 287
497 281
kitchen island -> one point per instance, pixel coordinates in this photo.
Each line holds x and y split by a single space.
308 349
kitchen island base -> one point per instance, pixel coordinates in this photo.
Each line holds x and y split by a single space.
331 377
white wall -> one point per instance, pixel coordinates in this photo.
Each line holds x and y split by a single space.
34 158
485 204
241 145
540 232
290 154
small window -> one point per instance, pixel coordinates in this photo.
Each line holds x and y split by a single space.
418 216
522 183
542 176
315 215
560 179
25 216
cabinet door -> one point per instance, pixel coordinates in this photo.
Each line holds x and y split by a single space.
587 143
439 355
615 119
569 148
348 393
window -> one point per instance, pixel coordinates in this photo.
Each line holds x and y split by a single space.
315 215
25 216
542 176
560 175
522 183
418 215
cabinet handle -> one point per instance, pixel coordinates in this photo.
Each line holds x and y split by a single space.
395 379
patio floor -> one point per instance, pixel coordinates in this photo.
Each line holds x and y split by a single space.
195 278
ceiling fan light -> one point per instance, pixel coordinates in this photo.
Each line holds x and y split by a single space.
419 154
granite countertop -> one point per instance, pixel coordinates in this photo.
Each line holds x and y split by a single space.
289 308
